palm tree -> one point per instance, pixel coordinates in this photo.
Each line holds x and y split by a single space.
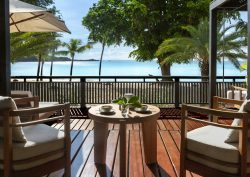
196 47
73 47
100 64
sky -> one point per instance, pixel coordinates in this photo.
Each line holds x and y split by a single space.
72 12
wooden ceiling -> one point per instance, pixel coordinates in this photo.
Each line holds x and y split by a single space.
240 5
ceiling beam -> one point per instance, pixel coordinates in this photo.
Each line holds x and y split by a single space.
213 55
4 48
248 49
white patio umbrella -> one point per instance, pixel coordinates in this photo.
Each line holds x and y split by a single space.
25 17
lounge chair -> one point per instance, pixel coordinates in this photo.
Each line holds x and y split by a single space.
216 149
32 148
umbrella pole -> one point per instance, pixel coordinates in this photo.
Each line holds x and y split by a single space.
4 48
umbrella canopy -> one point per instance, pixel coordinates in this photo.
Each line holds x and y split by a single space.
25 17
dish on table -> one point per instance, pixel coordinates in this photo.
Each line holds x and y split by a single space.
142 109
107 111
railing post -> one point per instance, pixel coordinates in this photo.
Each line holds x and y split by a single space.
177 91
83 100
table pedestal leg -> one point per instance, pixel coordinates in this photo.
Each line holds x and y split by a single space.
100 142
149 131
123 162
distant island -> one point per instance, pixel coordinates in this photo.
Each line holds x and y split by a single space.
87 60
35 59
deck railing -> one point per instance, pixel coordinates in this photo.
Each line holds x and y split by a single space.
99 90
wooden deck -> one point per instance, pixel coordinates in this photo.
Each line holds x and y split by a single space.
168 150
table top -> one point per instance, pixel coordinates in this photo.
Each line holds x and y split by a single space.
117 117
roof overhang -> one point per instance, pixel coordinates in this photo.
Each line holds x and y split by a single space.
240 5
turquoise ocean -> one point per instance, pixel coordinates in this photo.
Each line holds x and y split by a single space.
117 68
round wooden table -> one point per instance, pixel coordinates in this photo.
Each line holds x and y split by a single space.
149 132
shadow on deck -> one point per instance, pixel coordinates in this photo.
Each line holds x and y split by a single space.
168 150
166 113
168 147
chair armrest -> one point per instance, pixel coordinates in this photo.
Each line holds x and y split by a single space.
35 111
238 88
217 100
215 112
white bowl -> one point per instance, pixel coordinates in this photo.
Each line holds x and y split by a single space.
143 108
106 108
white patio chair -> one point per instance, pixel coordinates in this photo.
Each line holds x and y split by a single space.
32 148
216 149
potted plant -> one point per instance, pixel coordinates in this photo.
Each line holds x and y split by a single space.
125 103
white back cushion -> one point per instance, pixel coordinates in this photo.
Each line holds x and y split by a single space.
233 135
17 132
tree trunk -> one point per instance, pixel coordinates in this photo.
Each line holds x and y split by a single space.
52 62
100 65
165 70
38 66
51 67
71 68
42 69
204 67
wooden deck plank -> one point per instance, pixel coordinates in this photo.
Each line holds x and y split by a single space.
167 124
149 170
135 155
90 169
85 124
161 125
173 124
82 156
112 143
171 149
165 166
116 170
176 136
168 150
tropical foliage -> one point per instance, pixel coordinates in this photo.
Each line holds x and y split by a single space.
230 45
24 45
243 66
74 46
48 4
30 44
40 45
142 24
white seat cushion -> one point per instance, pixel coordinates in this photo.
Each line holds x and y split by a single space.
233 135
236 94
40 139
210 141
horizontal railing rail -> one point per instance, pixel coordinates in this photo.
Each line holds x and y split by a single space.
99 90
